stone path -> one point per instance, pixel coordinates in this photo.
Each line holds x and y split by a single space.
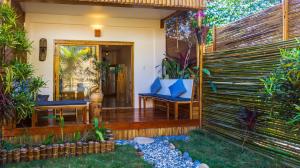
162 154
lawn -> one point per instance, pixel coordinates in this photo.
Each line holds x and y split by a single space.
217 152
124 157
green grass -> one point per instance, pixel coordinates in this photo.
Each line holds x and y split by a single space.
124 157
217 152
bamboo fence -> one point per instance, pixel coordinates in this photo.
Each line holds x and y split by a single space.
236 74
277 23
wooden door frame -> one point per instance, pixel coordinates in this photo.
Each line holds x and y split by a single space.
91 43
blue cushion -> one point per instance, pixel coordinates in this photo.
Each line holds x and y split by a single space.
147 94
61 103
177 89
156 86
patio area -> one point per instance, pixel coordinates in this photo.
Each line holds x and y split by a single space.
140 83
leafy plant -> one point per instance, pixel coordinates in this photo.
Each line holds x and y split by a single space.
21 86
13 36
282 86
7 111
248 120
8 146
49 140
76 136
99 132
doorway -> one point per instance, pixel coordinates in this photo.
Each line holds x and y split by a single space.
117 83
72 82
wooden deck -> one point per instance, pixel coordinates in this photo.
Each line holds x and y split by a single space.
125 123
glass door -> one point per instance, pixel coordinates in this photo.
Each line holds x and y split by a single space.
74 73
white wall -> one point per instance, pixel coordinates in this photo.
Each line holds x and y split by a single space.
148 38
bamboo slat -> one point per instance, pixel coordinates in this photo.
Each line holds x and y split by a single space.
269 26
236 74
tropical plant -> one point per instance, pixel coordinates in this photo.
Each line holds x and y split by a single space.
13 36
248 120
282 86
20 88
48 140
99 132
7 111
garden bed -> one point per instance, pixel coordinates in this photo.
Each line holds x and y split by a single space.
22 153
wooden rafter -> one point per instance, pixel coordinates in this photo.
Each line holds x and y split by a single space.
166 4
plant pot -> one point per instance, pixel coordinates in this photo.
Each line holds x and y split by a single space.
3 159
61 150
67 149
79 148
103 146
97 147
9 156
72 149
49 151
96 97
85 147
36 153
16 155
24 154
30 154
55 151
43 152
91 147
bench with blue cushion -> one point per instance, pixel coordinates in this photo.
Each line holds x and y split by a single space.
61 106
164 95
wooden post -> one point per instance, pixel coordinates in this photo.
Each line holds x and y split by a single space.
200 51
214 38
285 15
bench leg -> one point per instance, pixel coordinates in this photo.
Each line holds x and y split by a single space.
176 111
140 103
84 115
191 111
144 103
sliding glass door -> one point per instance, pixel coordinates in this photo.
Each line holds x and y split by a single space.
74 72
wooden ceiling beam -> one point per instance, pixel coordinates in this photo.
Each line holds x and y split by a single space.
160 4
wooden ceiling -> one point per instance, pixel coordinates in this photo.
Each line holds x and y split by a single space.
166 4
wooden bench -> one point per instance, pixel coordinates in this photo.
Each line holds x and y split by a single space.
59 107
164 95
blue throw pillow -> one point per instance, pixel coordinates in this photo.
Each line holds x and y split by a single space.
156 86
177 89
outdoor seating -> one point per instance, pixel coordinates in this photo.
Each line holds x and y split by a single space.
59 107
164 95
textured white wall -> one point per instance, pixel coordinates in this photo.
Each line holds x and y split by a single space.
148 38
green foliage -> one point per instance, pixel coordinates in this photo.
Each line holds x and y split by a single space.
76 137
282 85
22 86
8 146
13 36
49 140
99 132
